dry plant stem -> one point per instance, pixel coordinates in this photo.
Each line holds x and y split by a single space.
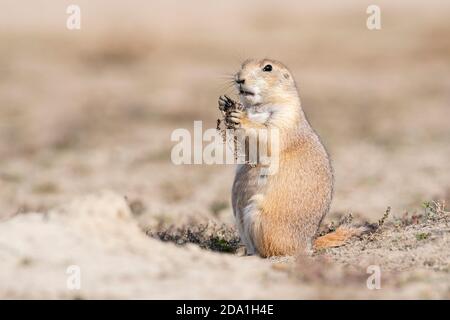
226 106
380 224
383 219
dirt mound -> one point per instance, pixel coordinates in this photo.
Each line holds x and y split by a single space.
98 234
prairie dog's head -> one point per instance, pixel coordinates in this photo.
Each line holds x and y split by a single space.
261 82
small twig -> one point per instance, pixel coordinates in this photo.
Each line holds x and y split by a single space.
383 219
346 220
227 105
380 223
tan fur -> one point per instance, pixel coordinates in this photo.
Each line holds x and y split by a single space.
339 237
333 239
281 215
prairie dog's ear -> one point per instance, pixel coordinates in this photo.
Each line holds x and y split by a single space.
286 75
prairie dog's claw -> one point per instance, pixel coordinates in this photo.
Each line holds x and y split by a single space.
226 103
222 103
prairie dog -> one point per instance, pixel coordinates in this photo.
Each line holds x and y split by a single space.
282 215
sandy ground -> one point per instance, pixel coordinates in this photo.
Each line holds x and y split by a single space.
93 110
99 235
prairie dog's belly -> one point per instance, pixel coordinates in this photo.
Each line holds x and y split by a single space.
246 185
247 196
248 182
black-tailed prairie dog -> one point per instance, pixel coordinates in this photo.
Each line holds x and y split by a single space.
279 214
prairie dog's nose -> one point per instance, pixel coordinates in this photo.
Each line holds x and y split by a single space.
240 81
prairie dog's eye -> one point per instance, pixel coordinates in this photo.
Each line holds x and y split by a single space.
267 68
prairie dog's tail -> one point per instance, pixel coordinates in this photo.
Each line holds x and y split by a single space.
339 237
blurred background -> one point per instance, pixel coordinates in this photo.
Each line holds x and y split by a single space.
90 109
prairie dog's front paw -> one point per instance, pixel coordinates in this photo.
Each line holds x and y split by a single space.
233 119
232 111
